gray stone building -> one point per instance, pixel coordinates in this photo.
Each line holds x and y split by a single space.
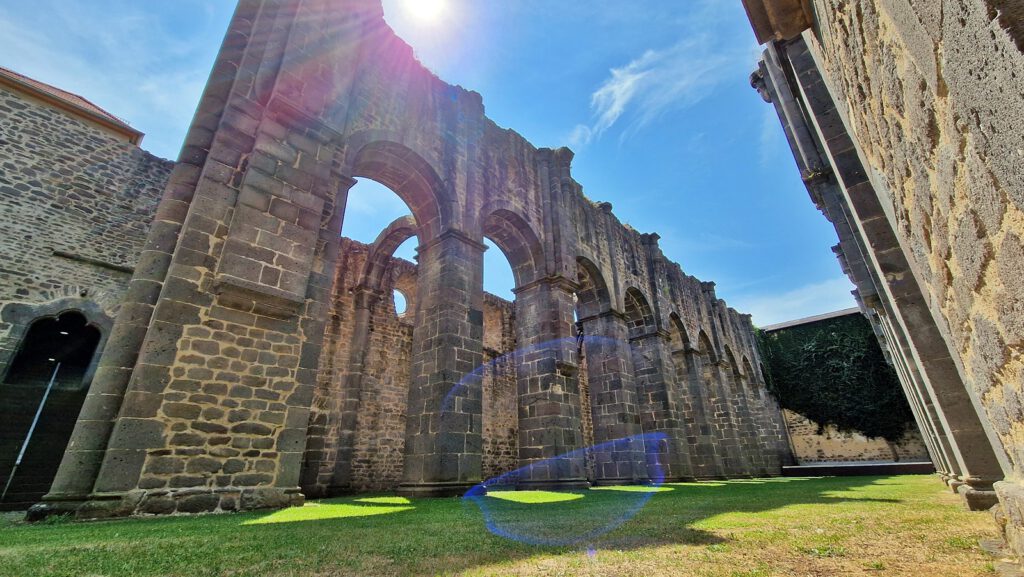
251 357
904 117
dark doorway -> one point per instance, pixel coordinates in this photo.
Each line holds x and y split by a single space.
69 340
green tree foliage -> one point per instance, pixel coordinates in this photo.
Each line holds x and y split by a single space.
834 373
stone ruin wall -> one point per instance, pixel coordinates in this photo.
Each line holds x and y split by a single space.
934 92
813 443
379 438
77 204
238 329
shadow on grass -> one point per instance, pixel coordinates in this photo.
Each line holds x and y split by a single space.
393 535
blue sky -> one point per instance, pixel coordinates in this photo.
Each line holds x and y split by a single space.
652 95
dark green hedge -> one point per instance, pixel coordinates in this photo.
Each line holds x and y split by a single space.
833 372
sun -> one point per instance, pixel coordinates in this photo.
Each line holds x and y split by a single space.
426 11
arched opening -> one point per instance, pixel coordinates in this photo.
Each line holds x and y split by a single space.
69 341
639 316
705 453
742 415
362 394
592 299
500 418
376 302
400 301
508 264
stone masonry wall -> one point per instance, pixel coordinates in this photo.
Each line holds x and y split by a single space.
241 326
76 204
934 93
814 444
377 445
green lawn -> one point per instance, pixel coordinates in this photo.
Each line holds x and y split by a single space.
907 525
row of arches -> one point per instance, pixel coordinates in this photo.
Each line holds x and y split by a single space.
627 375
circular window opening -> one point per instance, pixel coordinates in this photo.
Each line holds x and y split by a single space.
401 306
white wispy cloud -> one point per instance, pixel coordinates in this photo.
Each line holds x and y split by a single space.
811 299
665 79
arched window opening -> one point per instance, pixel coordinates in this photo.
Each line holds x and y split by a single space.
401 304
71 341
371 207
67 339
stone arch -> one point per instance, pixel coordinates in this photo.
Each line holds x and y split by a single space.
48 376
409 175
521 246
592 297
705 348
383 249
639 315
751 376
733 370
697 406
680 338
21 316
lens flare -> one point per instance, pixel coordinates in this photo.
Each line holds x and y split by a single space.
426 11
539 517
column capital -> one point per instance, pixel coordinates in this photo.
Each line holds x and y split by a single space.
365 297
449 234
555 282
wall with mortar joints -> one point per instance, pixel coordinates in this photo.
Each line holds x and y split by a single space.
813 443
380 405
60 173
933 92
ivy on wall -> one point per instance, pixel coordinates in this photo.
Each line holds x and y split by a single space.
834 373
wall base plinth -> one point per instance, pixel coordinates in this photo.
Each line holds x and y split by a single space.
168 502
434 489
554 485
620 481
976 500
1009 514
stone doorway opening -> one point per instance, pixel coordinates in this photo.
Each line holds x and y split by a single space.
70 341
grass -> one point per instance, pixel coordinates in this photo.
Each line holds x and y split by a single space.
906 525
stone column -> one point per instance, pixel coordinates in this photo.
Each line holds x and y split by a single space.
660 409
547 374
365 299
928 421
613 401
81 463
444 426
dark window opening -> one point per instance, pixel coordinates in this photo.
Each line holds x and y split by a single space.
69 340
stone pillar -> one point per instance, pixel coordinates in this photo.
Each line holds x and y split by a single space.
792 69
444 426
931 427
81 463
547 374
660 408
613 400
756 442
734 463
743 420
365 299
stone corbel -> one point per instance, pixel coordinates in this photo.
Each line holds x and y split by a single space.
247 296
779 19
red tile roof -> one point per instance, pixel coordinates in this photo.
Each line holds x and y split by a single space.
72 100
